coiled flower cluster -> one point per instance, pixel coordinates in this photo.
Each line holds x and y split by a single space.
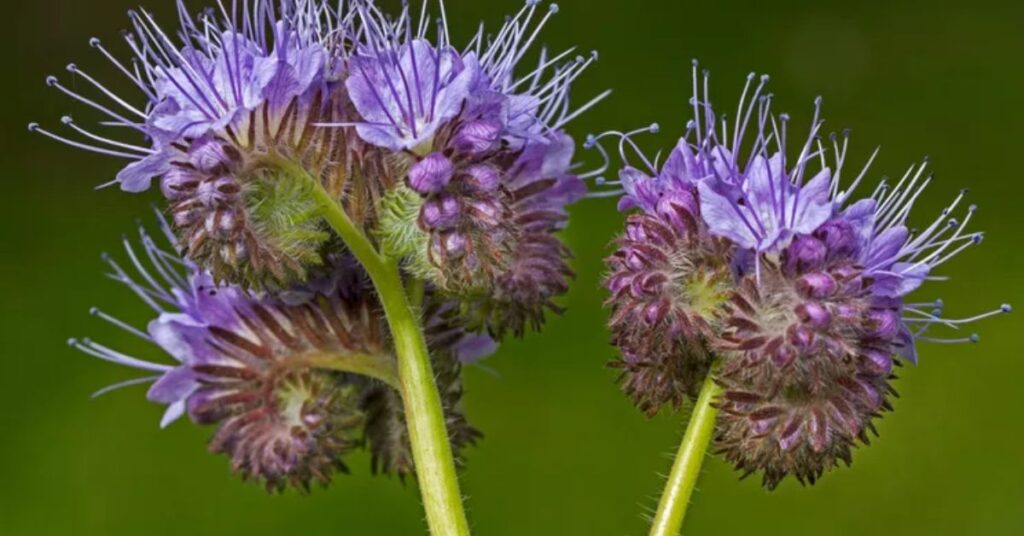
766 273
260 121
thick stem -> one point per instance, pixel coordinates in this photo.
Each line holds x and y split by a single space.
431 448
674 500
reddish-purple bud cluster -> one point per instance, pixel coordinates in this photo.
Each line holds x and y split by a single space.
667 279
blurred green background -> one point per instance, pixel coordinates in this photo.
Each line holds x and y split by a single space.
564 452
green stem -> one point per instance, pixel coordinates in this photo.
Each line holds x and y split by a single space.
674 500
431 449
373 366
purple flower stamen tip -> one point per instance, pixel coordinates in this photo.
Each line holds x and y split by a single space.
1006 308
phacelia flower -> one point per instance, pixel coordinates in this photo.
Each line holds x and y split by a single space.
489 164
736 250
293 381
444 156
229 123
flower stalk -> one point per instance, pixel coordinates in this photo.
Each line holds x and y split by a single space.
428 435
686 469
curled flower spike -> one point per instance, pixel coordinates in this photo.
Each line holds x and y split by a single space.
293 382
229 123
451 158
740 252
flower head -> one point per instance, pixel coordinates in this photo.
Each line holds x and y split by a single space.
293 381
446 156
489 164
737 250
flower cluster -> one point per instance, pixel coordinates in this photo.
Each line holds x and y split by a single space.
767 273
294 380
444 158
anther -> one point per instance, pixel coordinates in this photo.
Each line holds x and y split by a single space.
1006 308
51 80
553 8
94 42
654 128
72 68
975 338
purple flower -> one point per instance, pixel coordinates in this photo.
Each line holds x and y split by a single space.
264 368
247 109
228 106
405 92
741 251
489 163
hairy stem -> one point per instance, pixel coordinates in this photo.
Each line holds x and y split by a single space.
431 449
674 500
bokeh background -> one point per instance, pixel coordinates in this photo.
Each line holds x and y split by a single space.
564 452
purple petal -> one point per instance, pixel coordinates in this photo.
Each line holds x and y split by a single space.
720 215
814 207
885 247
176 385
138 176
173 413
473 348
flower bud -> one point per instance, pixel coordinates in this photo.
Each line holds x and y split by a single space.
211 156
839 238
804 254
817 285
478 136
483 178
179 183
668 284
431 174
441 213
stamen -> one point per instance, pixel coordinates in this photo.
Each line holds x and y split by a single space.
121 324
34 127
126 383
107 354
67 120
